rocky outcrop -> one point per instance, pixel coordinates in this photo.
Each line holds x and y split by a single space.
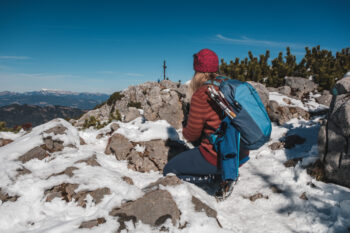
154 157
159 101
262 91
300 86
282 114
334 136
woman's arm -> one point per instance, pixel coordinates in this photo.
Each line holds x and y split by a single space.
195 123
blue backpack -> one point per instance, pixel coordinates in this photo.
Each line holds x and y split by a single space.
249 129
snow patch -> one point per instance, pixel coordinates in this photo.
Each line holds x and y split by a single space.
140 130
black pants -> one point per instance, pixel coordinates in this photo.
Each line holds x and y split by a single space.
191 166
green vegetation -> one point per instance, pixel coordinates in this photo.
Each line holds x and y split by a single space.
325 68
116 116
3 128
92 121
114 97
134 104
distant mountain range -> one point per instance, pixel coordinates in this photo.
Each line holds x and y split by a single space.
46 97
16 114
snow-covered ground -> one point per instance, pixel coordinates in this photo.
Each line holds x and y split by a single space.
311 105
326 210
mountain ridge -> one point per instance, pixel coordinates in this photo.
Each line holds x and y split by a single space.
46 97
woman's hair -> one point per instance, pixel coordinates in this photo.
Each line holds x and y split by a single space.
199 79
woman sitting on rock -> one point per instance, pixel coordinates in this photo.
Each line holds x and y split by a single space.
201 164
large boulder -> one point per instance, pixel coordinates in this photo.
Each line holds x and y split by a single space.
119 145
343 85
159 101
285 90
132 114
325 98
262 91
334 137
300 86
154 208
282 114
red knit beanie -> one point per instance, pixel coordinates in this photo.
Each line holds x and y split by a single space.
206 61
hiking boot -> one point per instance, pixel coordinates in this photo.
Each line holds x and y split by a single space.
225 189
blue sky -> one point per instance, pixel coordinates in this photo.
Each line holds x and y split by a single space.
105 46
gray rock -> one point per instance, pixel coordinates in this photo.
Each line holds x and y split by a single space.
325 98
322 141
340 114
82 141
200 206
66 191
119 145
22 171
164 181
52 146
156 154
59 129
334 138
4 142
171 111
128 180
272 89
114 127
285 90
132 114
35 153
138 162
68 171
102 114
92 223
277 146
300 86
90 161
262 91
154 208
343 86
282 114
4 197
